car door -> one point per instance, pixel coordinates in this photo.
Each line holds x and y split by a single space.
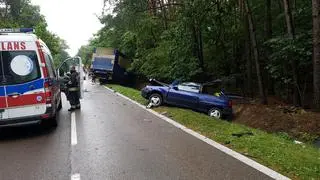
52 77
24 84
3 97
182 98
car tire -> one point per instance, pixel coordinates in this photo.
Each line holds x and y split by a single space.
215 112
53 122
50 123
156 99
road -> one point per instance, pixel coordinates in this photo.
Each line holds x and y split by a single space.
112 139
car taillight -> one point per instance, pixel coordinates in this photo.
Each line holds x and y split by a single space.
48 92
42 60
45 116
230 103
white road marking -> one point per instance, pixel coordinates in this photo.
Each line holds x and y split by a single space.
267 171
74 140
75 177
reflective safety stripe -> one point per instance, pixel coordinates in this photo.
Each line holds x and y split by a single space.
73 89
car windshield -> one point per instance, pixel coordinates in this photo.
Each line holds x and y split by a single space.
190 87
18 67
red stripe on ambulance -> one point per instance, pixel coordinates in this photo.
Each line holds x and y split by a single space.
3 102
12 46
25 100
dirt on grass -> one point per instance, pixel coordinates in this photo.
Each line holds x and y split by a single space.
279 117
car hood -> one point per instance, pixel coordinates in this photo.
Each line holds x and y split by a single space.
155 87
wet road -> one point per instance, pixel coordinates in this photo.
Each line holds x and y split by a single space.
115 140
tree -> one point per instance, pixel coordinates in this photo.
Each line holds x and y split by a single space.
316 52
291 33
255 52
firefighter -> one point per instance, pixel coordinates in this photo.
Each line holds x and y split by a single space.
73 87
64 86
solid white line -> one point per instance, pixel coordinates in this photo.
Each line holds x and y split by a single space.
75 177
271 173
74 140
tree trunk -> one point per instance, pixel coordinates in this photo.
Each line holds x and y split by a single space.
248 66
289 21
200 51
280 3
164 13
291 33
255 53
268 35
316 52
268 22
152 7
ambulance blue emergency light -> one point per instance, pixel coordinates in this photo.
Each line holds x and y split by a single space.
17 30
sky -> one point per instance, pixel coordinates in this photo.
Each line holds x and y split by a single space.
73 20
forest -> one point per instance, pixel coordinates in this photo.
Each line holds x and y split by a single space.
264 48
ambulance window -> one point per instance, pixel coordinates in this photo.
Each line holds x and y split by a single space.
50 66
19 67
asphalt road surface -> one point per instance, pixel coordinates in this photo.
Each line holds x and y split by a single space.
112 138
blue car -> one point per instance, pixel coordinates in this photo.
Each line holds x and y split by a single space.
188 95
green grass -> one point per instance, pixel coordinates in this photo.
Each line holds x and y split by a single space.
272 150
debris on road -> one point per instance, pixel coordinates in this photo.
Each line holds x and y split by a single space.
147 120
297 142
242 134
164 113
149 106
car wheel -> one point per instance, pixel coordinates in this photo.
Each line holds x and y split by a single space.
49 123
215 112
53 122
155 99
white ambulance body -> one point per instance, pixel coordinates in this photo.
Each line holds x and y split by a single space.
29 87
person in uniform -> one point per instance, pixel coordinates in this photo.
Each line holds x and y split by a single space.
73 88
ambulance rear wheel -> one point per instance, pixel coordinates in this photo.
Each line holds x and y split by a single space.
50 123
53 122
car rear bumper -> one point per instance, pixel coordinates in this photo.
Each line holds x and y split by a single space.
24 121
20 121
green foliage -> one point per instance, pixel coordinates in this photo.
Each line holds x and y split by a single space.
85 52
204 40
285 50
24 14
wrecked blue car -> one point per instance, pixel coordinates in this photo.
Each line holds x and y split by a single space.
188 95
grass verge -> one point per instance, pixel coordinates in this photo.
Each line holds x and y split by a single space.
272 150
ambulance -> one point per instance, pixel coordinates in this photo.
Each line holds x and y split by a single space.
29 86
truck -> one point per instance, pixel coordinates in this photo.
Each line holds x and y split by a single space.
109 65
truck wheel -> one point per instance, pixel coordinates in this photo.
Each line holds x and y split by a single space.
215 112
155 99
